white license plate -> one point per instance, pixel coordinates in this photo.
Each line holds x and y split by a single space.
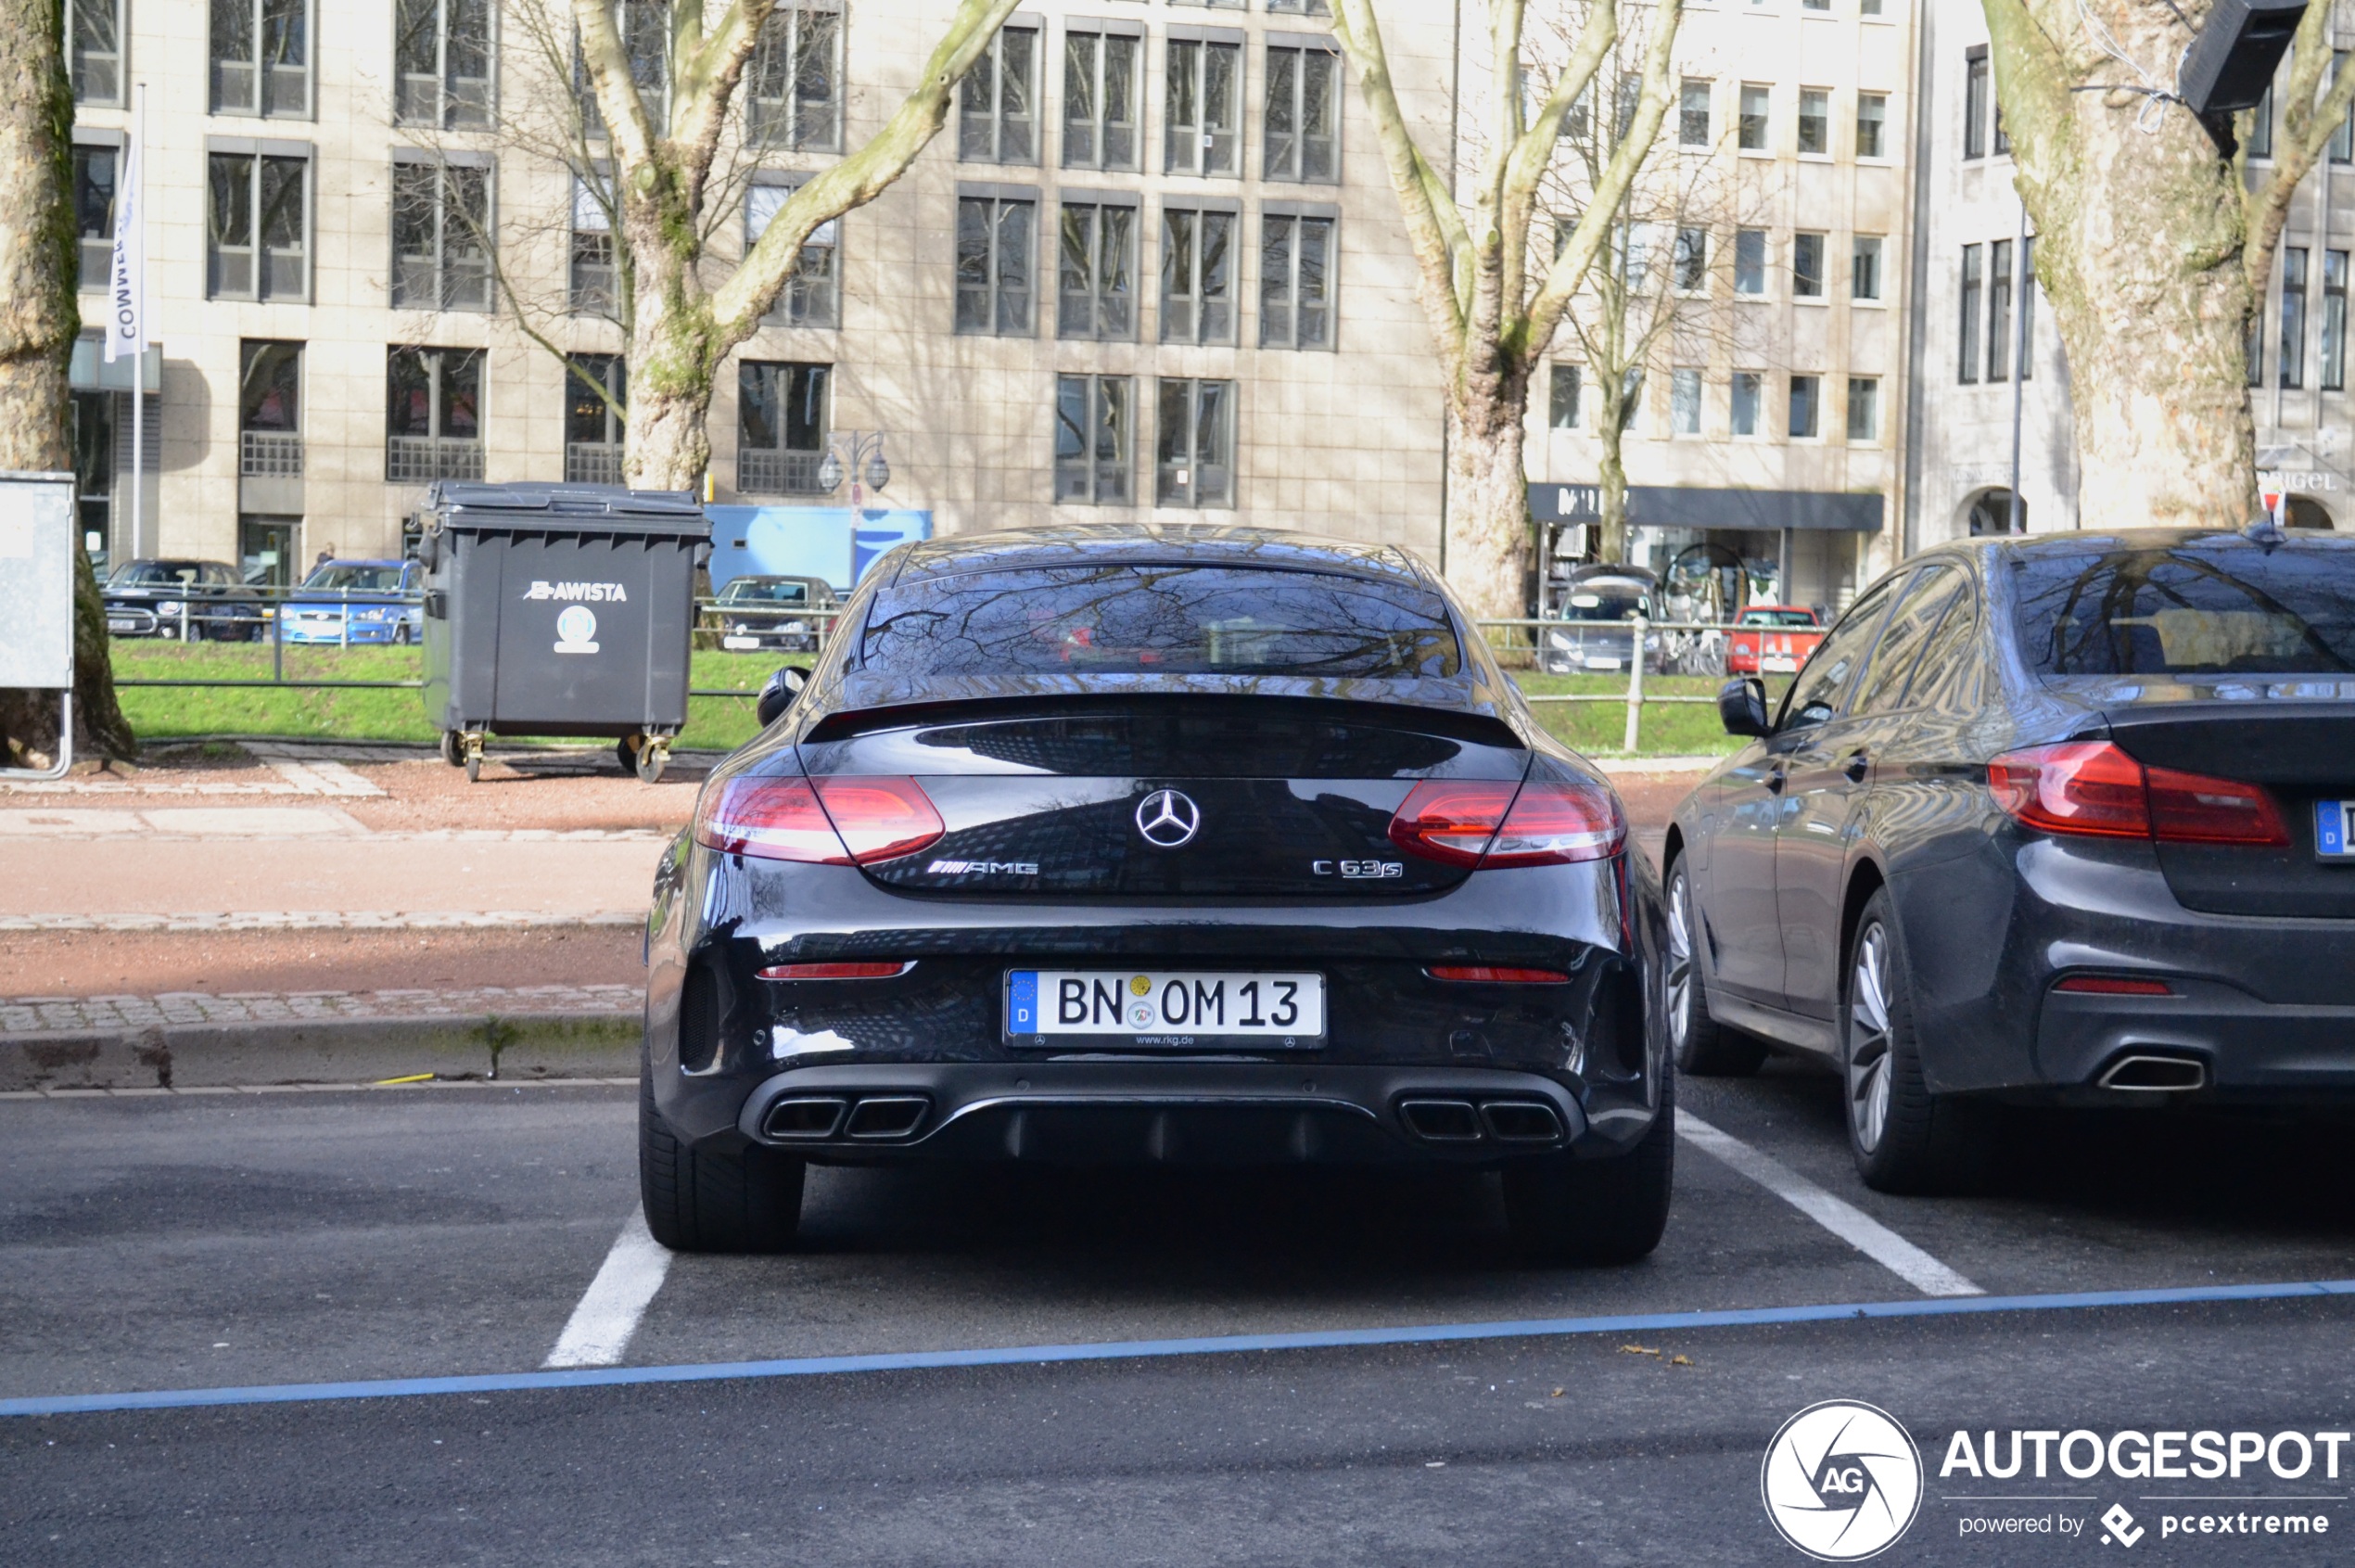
121 625
1165 1006
1593 663
740 641
2332 820
1778 666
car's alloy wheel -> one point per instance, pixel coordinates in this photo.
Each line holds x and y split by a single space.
1867 1064
1703 1046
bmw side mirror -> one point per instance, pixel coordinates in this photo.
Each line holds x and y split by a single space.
1742 706
777 694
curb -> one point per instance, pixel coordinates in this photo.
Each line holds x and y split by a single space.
522 1046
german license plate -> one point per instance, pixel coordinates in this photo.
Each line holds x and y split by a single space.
734 642
120 624
1598 661
2332 820
1774 665
1165 1006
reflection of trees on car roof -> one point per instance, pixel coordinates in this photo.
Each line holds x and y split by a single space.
2175 609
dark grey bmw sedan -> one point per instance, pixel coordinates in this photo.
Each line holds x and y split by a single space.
2063 818
1155 846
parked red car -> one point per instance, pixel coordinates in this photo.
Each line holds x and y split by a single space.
1772 640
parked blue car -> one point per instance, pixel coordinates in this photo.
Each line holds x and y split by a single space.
380 596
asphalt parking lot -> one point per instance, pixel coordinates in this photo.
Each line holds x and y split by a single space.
235 1241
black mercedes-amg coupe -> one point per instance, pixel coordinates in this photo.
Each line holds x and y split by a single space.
2061 819
1181 844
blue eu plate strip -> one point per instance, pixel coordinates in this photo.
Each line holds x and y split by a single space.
2330 827
1123 1350
1021 1002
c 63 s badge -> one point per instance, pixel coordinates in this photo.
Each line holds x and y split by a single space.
1359 870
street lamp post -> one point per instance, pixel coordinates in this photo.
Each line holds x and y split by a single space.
857 455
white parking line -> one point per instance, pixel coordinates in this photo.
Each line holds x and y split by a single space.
608 1313
1845 1220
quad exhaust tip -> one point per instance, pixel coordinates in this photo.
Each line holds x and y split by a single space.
816 1118
1460 1121
2144 1071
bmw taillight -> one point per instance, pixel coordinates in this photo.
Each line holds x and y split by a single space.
846 821
1489 822
2092 788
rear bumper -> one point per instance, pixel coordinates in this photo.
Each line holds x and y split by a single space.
1161 1113
2230 1045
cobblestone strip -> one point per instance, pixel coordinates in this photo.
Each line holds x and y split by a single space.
323 920
101 1013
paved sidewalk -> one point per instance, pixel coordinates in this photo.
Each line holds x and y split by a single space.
107 1014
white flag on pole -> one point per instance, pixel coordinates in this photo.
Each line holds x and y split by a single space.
127 285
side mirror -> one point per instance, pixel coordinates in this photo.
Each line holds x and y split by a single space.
1742 706
778 693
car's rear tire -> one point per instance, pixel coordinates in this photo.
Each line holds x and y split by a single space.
1904 1138
1704 1047
746 1200
1565 1210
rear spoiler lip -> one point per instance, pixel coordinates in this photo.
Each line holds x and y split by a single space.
1469 721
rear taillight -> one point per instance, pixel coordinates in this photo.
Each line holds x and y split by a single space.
2113 984
832 821
1495 974
2092 787
834 971
1487 822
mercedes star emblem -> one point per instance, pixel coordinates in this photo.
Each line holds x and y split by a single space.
1167 820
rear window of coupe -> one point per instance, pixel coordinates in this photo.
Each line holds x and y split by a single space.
1154 619
2220 608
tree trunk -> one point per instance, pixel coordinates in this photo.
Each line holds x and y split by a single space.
667 445
39 319
2141 222
1612 527
1488 496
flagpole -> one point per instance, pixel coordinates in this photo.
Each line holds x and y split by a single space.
139 358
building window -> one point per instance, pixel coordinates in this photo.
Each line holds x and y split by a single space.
94 50
1302 8
262 58
1749 260
793 84
1692 114
997 107
1683 401
1561 397
440 235
1096 276
1814 4
1807 266
1863 267
441 60
1864 409
2342 148
1295 281
812 295
259 226
1999 311
1194 444
1205 97
1815 120
596 399
1100 98
1751 128
1092 421
1806 393
996 252
1304 115
1750 387
269 410
2334 321
644 28
1975 101
781 426
2028 308
2253 345
1872 123
1868 8
2002 137
94 213
1196 276
2292 367
1691 261
1968 369
433 415
595 282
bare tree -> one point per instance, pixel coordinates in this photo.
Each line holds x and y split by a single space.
2154 242
40 317
1492 302
661 98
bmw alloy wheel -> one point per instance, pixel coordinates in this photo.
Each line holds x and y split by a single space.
1868 1064
1680 960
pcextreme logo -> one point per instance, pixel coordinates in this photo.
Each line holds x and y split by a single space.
1841 1481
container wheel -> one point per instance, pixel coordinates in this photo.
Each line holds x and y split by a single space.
453 749
473 766
625 752
652 757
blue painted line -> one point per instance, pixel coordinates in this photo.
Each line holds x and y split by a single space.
1138 1350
